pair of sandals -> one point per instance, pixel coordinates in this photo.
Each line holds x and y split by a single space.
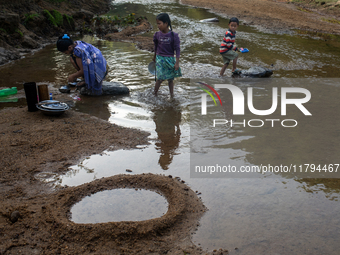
237 71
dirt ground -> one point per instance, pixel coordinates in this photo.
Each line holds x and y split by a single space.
131 34
34 217
280 15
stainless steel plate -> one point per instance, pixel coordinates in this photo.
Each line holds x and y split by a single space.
54 106
152 67
53 109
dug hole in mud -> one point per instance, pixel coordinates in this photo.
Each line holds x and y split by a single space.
184 210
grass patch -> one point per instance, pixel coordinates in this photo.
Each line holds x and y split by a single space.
69 19
19 32
50 17
331 39
303 9
29 17
316 2
54 17
130 19
323 2
58 17
334 21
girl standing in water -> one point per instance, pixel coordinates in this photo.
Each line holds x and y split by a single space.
166 44
88 61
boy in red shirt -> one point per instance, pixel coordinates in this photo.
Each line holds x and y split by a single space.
227 48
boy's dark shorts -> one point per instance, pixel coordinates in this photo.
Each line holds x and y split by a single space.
228 56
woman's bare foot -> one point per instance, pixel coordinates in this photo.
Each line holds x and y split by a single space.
80 84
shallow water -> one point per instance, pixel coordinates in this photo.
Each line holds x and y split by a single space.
102 206
261 215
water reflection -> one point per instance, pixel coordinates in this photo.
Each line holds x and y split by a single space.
98 106
119 205
167 123
329 186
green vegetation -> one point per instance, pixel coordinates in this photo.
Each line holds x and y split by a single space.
317 2
130 19
322 2
69 19
335 21
331 39
29 17
295 1
303 9
87 30
3 30
50 18
19 32
54 17
58 17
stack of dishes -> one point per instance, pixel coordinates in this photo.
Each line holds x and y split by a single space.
52 107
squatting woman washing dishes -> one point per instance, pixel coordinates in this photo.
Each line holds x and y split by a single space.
88 61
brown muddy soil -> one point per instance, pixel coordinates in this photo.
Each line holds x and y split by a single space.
279 15
35 217
132 34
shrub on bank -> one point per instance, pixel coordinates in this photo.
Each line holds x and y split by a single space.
54 17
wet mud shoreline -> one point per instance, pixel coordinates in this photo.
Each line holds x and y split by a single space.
280 16
34 216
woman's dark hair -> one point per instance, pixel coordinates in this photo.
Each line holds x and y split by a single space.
164 17
234 19
63 42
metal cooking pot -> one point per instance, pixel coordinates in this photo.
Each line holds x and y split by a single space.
65 89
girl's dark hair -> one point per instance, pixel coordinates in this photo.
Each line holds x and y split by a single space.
164 17
63 42
234 19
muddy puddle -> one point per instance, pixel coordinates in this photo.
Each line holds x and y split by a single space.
119 205
260 215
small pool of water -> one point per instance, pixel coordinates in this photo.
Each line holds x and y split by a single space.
119 205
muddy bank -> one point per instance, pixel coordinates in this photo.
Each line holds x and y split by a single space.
30 25
280 16
41 224
34 217
132 34
33 142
